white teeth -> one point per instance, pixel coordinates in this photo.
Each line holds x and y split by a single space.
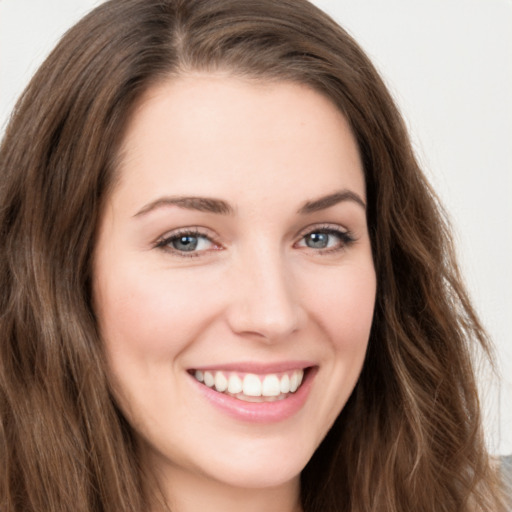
235 384
271 386
209 379
221 383
252 385
285 384
294 382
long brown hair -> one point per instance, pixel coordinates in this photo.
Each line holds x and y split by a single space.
410 436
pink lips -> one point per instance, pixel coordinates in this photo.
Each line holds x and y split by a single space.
259 412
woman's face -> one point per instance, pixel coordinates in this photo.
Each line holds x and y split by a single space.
233 260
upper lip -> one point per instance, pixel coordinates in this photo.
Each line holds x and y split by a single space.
257 367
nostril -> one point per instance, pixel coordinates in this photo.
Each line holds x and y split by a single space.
264 325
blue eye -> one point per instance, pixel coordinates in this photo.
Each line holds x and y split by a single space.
329 239
182 243
318 240
185 243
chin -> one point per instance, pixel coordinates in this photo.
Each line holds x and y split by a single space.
258 464
271 474
262 467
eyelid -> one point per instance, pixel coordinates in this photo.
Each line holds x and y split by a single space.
325 227
346 236
163 241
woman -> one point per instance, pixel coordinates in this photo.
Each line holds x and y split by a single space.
226 282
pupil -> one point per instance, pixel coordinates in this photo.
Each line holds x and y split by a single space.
185 243
318 240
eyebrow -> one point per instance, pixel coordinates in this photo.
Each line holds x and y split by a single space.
324 202
221 207
202 204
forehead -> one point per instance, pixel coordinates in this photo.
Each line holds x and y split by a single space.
199 133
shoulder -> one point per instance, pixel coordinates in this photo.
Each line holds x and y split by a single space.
506 468
506 472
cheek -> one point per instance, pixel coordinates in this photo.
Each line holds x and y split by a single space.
344 306
147 320
149 315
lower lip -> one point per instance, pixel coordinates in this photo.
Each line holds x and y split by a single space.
260 412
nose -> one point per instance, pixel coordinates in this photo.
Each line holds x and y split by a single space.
265 302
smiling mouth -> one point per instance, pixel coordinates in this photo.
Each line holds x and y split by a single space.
251 387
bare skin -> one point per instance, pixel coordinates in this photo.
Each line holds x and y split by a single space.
235 244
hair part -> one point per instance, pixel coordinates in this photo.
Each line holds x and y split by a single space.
410 436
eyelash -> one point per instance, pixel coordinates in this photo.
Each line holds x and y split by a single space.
345 240
165 242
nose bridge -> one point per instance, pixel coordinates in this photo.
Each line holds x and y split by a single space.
265 302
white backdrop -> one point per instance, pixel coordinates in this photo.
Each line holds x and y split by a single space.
449 66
